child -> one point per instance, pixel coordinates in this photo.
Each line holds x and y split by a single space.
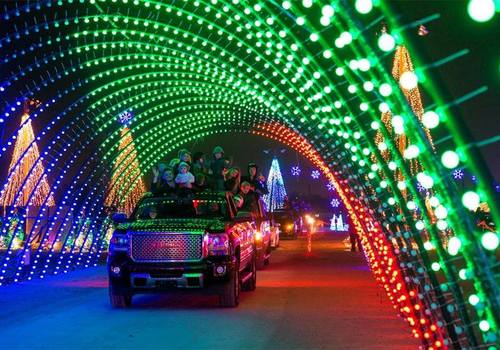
184 179
163 180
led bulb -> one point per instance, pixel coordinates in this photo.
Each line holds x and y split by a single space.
430 119
450 159
490 240
454 245
363 6
408 80
327 11
411 152
441 212
481 10
386 42
385 89
484 325
473 299
470 200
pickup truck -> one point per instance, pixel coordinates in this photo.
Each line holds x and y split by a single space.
196 242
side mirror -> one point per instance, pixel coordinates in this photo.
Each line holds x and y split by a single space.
119 218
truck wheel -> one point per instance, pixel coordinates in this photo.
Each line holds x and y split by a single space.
120 301
230 297
268 252
251 283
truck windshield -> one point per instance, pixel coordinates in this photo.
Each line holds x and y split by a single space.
282 215
180 208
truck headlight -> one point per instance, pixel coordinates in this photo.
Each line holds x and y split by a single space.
218 244
119 243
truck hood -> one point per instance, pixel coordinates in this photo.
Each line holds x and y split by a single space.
173 225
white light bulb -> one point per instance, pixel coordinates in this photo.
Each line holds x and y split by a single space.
430 119
481 10
385 89
363 6
386 42
327 11
490 240
471 200
408 80
450 159
441 212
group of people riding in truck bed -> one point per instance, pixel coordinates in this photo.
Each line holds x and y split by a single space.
195 173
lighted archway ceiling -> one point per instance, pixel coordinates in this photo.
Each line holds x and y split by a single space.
315 75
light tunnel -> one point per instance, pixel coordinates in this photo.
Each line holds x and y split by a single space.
94 93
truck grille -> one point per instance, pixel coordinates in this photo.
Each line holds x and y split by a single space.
157 247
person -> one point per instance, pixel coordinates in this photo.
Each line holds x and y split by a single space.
354 238
256 180
184 178
185 156
163 179
174 163
200 182
250 198
238 201
232 180
199 164
217 168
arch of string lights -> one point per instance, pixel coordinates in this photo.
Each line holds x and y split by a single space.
311 74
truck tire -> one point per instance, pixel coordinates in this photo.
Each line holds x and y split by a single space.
251 284
119 301
268 253
230 297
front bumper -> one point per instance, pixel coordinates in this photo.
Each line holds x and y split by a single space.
208 275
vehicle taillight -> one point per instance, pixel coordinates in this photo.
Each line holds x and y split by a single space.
218 244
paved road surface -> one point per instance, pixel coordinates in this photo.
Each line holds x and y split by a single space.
323 300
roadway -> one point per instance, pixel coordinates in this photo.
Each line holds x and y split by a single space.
325 299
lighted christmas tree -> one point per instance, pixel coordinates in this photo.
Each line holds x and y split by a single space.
333 223
27 174
126 186
402 71
275 199
337 224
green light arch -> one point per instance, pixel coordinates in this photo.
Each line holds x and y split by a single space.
229 66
